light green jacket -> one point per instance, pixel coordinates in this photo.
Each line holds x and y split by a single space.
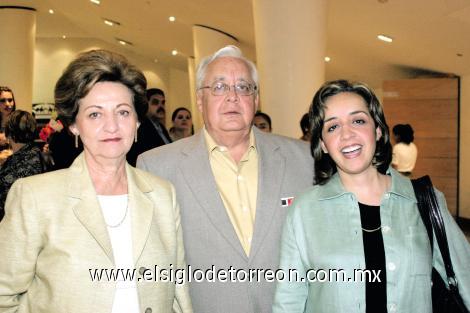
323 231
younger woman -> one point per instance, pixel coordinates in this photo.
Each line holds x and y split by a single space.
361 215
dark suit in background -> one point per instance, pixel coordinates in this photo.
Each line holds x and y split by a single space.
148 137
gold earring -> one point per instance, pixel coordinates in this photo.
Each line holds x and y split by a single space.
76 141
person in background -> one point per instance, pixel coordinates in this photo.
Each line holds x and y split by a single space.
157 102
405 151
152 132
305 127
361 215
7 105
26 160
182 124
64 228
263 122
234 184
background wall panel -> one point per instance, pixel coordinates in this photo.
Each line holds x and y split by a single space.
431 107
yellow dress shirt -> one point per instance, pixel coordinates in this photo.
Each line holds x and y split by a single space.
237 185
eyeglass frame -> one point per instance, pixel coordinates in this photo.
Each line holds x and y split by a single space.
227 90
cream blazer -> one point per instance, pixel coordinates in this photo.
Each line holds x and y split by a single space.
53 238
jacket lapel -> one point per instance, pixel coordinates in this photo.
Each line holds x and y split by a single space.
271 167
197 172
87 209
141 208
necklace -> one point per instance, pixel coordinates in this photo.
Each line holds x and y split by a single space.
122 221
371 230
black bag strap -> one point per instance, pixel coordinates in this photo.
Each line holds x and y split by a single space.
432 219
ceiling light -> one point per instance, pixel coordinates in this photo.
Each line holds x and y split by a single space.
111 22
64 37
124 42
174 52
97 2
385 38
155 60
327 59
172 18
51 11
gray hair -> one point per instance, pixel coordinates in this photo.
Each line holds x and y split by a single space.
227 51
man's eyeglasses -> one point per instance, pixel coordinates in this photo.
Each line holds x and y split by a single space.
5 100
241 88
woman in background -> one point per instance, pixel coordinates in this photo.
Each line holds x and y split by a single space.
361 215
263 122
7 105
305 127
64 229
405 151
182 124
26 160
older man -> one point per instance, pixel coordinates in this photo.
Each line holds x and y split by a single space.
234 184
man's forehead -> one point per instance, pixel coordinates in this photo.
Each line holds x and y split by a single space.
226 67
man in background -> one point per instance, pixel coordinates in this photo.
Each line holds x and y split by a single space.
152 132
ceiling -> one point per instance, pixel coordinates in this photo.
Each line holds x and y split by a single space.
431 37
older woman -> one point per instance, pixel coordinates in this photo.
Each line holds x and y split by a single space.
86 238
182 124
26 159
361 217
7 105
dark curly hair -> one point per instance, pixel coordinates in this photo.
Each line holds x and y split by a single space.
325 167
90 68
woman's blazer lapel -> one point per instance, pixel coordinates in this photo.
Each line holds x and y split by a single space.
87 208
141 208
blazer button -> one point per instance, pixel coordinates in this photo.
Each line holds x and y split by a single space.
141 271
148 310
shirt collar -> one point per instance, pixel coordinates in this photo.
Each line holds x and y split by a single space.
212 145
401 186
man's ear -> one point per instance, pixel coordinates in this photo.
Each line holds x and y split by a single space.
323 147
199 97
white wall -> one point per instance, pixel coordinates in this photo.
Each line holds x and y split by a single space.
464 181
53 55
179 94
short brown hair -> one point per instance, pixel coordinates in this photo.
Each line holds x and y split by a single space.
21 127
90 68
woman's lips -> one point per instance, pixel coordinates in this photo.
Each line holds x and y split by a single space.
111 139
351 151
